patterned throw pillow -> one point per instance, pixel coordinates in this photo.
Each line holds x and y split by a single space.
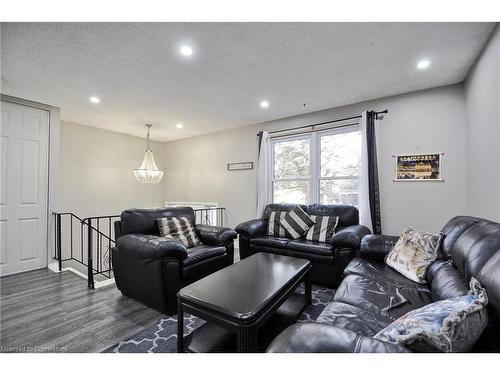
274 227
413 253
296 223
451 325
178 228
323 228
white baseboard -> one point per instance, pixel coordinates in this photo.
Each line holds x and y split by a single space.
100 284
54 267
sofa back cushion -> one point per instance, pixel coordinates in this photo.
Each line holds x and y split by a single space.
143 220
475 246
282 207
348 215
453 230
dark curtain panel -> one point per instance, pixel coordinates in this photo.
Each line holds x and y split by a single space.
373 184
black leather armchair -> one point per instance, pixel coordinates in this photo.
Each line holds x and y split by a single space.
372 295
328 260
151 269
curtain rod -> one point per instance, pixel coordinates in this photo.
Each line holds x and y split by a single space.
321 123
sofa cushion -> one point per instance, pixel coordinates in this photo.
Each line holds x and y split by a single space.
323 228
413 254
270 241
377 270
312 247
314 258
451 325
386 299
363 322
199 253
296 223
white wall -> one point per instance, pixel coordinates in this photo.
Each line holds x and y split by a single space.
96 172
427 121
482 94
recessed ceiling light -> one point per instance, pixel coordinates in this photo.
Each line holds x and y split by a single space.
94 99
186 50
179 126
423 64
264 104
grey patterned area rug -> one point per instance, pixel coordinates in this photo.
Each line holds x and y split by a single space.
161 336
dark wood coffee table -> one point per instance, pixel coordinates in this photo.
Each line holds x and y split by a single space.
244 304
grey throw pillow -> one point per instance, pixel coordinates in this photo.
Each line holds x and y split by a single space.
451 325
414 252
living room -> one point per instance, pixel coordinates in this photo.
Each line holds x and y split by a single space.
250 187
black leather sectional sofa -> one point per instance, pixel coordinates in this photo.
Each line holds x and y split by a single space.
373 295
328 260
151 270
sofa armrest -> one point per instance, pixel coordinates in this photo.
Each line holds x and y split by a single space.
350 236
323 338
252 228
212 235
377 246
147 246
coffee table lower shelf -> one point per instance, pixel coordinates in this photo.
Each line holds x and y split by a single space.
211 338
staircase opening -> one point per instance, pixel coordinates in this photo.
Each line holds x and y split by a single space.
83 246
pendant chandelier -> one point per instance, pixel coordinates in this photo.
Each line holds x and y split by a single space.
148 172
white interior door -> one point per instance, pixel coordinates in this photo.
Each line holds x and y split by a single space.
24 186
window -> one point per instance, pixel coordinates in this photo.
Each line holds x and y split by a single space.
339 175
292 170
321 167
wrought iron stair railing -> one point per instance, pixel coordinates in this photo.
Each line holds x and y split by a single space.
84 245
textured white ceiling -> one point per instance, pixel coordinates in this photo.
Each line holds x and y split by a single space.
137 71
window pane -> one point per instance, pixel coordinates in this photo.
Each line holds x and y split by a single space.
292 159
291 192
340 154
339 191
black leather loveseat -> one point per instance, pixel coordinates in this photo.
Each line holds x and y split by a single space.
328 260
372 295
151 269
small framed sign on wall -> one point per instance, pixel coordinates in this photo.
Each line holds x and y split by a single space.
240 166
419 167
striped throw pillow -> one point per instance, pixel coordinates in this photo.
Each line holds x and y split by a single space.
296 223
323 228
180 229
274 227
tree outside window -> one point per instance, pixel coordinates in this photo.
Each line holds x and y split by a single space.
320 167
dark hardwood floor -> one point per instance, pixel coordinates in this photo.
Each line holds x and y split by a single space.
56 312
